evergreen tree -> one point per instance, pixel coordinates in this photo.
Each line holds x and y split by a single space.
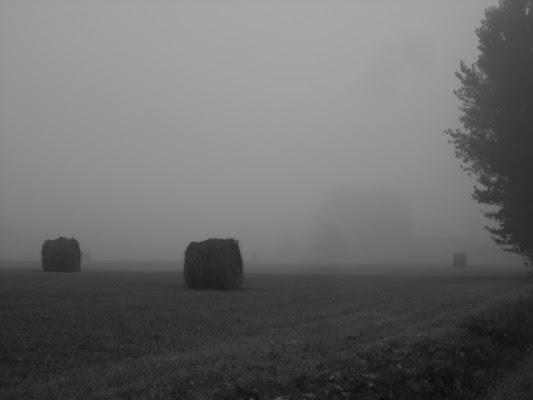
496 145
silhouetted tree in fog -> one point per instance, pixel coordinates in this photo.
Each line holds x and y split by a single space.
496 146
328 243
363 224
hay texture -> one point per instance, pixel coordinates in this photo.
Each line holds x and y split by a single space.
459 260
213 264
61 255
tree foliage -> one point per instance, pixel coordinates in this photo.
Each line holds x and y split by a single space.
496 145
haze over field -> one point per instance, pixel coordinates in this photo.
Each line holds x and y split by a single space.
308 130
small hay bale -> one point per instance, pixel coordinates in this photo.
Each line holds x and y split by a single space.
459 260
213 264
61 255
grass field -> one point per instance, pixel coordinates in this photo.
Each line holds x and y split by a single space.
133 334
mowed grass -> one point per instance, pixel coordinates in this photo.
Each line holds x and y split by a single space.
133 334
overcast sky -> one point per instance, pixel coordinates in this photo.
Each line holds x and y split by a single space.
139 126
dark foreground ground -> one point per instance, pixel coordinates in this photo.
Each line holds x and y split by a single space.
105 334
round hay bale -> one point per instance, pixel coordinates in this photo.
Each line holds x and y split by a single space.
61 255
459 260
213 264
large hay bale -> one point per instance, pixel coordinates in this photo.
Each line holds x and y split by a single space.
61 255
213 264
459 260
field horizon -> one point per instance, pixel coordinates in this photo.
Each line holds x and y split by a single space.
289 266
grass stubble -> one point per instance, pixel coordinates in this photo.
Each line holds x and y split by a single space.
138 335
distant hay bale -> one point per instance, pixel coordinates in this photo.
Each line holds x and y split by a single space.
459 260
213 264
61 255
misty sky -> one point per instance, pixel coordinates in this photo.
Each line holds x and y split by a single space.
139 126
